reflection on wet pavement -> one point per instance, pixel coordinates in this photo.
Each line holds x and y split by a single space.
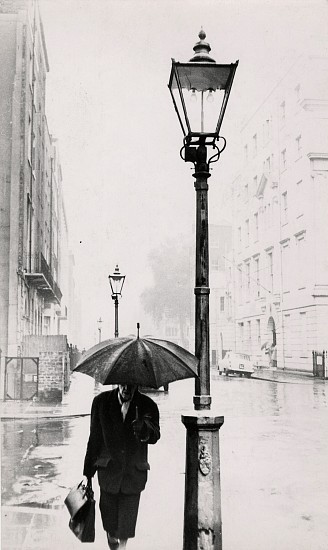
273 447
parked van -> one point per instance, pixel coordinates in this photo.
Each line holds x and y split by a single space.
236 363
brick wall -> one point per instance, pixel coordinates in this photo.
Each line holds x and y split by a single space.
53 375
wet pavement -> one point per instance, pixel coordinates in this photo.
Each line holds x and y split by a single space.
274 474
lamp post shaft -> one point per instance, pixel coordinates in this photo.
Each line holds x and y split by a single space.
202 397
202 512
116 317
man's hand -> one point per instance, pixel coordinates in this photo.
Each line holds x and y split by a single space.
87 482
137 424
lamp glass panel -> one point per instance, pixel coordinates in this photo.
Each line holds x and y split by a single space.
203 108
116 283
203 87
178 105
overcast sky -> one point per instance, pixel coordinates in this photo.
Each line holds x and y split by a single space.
126 189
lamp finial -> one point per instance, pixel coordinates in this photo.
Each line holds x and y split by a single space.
202 49
202 34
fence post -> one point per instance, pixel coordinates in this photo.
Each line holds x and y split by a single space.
313 363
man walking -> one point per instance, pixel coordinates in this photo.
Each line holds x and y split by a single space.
123 423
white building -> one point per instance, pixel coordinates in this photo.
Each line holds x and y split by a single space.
279 279
35 263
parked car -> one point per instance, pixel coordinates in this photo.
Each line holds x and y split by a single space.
236 363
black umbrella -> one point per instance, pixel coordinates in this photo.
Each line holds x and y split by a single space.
147 361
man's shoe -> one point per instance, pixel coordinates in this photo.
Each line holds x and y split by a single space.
113 542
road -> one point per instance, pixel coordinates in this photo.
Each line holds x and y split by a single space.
274 456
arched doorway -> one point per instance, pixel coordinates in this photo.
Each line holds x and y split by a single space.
272 335
272 341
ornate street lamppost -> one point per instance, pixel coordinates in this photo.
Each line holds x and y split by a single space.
200 91
116 281
99 328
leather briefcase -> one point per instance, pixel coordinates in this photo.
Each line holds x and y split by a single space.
81 506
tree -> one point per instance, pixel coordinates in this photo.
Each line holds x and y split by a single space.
172 291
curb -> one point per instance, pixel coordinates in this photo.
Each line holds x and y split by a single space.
52 417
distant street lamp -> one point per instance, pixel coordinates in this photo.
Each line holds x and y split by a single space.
116 281
200 91
99 328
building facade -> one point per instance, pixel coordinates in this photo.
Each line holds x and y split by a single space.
279 275
36 264
221 319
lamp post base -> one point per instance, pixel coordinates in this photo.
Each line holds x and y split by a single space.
202 513
202 402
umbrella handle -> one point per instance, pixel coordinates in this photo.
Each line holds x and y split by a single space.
138 327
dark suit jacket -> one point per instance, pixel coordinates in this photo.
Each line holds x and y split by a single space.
113 450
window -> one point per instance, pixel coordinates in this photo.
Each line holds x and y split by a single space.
298 147
214 358
301 259
256 226
284 208
245 152
267 130
299 199
255 185
267 215
171 331
239 238
249 335
248 279
46 325
247 232
257 276
246 192
272 162
298 92
240 283
285 259
283 159
254 145
214 259
258 332
270 271
221 303
241 334
268 165
229 305
282 112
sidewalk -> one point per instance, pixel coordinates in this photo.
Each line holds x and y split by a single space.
31 528
29 409
282 376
